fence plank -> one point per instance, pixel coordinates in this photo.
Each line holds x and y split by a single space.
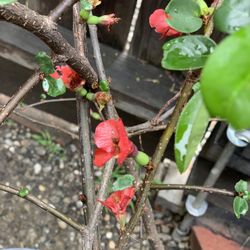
146 43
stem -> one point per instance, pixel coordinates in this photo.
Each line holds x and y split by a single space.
44 206
193 188
84 121
49 101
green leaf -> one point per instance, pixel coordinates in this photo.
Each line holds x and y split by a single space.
123 182
232 15
241 186
240 206
4 2
187 52
53 87
23 192
190 129
184 15
86 5
225 80
45 63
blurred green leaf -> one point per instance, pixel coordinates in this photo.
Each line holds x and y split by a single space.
232 15
225 80
4 2
187 52
190 129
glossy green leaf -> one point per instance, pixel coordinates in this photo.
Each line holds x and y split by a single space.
184 15
232 15
45 63
240 206
23 192
190 129
225 80
241 186
53 87
123 182
4 2
187 52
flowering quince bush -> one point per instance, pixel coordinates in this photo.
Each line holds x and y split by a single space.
221 90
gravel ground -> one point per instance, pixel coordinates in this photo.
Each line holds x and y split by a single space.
24 163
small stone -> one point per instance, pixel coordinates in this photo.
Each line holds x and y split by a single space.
98 173
79 204
40 151
145 243
77 172
183 245
73 148
109 235
41 188
62 224
165 237
37 168
66 200
111 244
12 149
171 244
165 229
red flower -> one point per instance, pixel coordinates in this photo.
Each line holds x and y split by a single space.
112 141
118 201
70 78
158 20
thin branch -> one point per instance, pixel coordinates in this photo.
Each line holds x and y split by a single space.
73 99
156 119
44 206
34 79
111 111
193 188
84 121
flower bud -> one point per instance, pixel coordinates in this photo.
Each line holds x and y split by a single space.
141 158
102 98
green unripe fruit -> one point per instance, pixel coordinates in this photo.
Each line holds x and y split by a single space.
90 96
104 85
82 91
96 116
141 158
84 14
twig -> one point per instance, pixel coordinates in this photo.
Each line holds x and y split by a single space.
156 119
193 188
94 219
111 111
34 79
45 207
49 101
148 215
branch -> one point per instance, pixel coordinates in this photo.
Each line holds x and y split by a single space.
193 188
34 79
44 28
45 207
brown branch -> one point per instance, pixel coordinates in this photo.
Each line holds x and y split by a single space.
193 188
45 207
34 79
44 28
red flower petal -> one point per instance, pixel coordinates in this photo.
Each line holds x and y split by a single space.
101 157
118 201
158 20
105 134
